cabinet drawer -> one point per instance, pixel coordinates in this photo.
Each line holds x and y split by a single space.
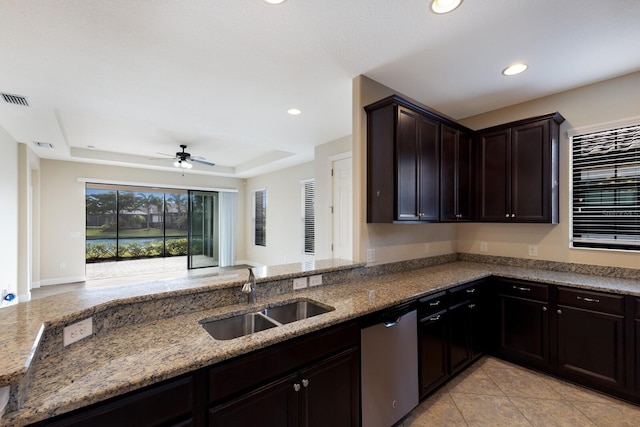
591 300
537 291
432 303
465 292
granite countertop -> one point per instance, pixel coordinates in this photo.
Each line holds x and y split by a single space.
126 358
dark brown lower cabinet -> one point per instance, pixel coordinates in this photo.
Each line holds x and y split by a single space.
324 394
433 351
524 330
170 404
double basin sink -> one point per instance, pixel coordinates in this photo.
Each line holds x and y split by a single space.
244 324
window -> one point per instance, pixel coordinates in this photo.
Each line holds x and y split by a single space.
260 217
308 216
605 210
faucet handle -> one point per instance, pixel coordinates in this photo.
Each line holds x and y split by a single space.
246 288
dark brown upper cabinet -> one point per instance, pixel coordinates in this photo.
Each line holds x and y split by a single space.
422 167
455 174
403 162
517 171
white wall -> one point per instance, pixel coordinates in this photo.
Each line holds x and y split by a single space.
9 215
391 242
603 102
62 215
284 227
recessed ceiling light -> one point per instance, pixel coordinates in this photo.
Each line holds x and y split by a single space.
514 69
444 6
294 111
275 1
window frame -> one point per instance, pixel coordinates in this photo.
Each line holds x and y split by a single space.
604 245
303 216
254 217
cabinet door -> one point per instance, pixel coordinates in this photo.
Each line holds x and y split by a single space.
274 405
168 404
524 330
330 392
591 347
460 330
407 165
494 176
455 175
531 172
428 169
433 355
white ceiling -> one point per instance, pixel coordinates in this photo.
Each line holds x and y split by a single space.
136 77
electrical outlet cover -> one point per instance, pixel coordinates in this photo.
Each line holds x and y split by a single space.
315 280
299 283
77 331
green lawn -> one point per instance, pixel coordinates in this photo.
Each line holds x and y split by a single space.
143 232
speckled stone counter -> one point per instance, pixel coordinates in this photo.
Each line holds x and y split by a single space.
138 353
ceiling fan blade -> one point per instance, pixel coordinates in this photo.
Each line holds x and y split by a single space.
168 155
202 162
198 158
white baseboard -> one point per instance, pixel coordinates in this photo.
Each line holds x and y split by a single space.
62 280
35 285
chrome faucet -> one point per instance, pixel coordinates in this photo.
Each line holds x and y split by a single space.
249 288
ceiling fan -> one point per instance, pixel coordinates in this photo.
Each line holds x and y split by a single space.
184 160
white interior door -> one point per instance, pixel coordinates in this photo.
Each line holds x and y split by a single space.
342 208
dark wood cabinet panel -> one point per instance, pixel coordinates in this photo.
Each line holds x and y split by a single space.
518 170
460 330
494 182
407 164
330 392
591 347
433 351
455 175
169 404
428 193
524 330
273 405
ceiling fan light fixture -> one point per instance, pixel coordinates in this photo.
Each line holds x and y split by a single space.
515 69
177 163
444 6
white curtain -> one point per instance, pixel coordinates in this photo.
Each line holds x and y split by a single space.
228 215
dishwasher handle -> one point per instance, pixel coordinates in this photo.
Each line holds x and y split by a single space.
391 323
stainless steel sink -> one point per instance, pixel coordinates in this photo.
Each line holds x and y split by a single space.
245 324
237 326
293 311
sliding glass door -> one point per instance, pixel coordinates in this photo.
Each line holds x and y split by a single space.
203 248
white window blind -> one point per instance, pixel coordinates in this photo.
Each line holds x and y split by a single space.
260 218
309 216
605 183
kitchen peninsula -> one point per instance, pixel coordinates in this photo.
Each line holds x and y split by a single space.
146 335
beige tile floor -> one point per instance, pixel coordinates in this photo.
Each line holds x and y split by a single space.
496 393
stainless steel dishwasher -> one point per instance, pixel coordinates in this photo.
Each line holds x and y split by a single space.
389 366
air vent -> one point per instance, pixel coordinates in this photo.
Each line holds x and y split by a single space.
15 99
43 144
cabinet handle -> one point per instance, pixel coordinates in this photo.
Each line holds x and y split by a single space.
506 215
513 215
434 303
434 318
296 387
544 308
471 306
470 291
588 299
521 288
559 311
305 383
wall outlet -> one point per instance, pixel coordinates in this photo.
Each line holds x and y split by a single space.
315 280
484 247
533 250
371 255
299 283
77 331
